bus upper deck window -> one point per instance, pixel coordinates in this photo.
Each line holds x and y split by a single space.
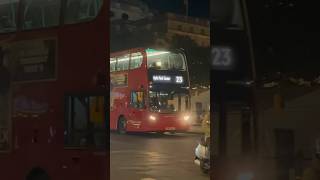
136 60
78 11
123 63
113 64
8 12
41 14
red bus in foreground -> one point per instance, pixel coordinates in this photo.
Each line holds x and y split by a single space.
150 91
52 114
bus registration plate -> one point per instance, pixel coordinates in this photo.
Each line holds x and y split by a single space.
170 128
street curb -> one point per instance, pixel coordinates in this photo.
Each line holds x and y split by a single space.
196 129
193 132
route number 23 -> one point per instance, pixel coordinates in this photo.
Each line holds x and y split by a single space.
222 57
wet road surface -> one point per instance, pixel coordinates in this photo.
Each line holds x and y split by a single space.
154 157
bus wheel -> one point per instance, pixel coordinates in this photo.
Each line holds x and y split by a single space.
37 174
122 125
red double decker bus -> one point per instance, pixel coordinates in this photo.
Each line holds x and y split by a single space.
52 94
150 91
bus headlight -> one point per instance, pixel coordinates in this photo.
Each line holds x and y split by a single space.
186 117
152 118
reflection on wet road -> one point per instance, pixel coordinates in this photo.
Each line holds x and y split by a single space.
153 156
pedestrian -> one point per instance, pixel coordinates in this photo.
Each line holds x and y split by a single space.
313 172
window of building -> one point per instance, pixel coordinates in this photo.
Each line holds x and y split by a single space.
136 60
123 63
179 27
85 121
82 10
8 12
41 14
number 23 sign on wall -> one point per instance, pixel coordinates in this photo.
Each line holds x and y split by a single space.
223 58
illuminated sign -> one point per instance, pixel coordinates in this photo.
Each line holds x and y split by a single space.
179 79
222 58
161 78
168 79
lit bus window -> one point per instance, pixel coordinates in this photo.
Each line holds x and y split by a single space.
123 63
113 63
163 60
41 14
81 10
8 12
136 60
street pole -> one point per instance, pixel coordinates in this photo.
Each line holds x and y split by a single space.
186 3
222 120
219 162
254 77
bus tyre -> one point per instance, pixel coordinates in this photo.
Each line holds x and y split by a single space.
122 125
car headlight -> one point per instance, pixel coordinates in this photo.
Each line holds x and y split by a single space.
152 118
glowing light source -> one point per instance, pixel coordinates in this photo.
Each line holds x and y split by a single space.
186 117
152 118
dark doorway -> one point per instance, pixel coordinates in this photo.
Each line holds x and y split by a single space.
284 152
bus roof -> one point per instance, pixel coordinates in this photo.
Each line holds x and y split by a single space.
147 50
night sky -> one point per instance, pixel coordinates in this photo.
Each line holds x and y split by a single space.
285 32
286 36
197 8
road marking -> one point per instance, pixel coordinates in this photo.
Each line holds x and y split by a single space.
148 179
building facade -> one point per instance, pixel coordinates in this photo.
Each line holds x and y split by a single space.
288 127
196 29
131 10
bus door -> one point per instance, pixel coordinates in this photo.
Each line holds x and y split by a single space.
85 122
136 109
